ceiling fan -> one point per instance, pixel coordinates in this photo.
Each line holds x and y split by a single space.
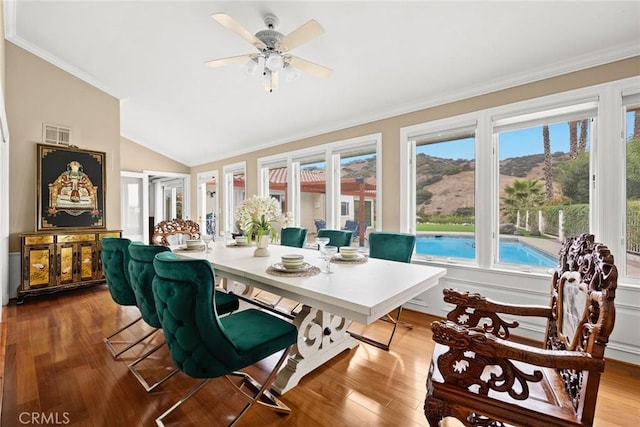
273 50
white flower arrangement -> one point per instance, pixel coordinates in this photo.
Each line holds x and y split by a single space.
259 216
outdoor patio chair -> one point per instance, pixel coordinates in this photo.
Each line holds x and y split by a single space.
352 225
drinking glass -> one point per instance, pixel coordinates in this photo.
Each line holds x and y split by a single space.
322 242
327 253
206 238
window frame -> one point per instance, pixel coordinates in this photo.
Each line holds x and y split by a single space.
227 173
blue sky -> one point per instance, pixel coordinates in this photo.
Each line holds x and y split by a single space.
516 143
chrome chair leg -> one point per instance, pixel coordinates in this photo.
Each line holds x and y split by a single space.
110 344
180 402
141 379
262 390
389 319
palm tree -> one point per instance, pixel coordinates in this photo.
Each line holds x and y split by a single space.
548 174
573 139
521 194
582 143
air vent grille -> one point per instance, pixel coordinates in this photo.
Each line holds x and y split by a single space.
55 134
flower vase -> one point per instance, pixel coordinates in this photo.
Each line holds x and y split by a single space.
262 246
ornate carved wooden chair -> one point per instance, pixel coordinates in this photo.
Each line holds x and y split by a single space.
173 232
481 378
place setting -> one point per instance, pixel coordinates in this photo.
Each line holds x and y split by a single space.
293 265
193 246
349 255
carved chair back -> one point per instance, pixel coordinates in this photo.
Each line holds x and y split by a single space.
173 232
583 311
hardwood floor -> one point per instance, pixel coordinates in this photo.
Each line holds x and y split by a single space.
57 368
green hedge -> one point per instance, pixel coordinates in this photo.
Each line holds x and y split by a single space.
576 220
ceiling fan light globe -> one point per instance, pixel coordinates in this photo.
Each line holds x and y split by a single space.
251 67
274 62
291 74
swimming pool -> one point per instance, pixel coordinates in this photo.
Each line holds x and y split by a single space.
512 251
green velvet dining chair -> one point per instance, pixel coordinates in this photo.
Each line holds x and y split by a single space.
293 236
114 256
142 273
203 344
337 238
392 247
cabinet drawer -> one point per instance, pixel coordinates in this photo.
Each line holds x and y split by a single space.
71 238
38 240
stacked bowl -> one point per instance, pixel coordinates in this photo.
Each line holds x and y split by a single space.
348 252
292 261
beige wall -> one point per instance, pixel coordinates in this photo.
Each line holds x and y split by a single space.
39 92
390 128
136 158
2 73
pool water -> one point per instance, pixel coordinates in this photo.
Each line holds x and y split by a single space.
512 251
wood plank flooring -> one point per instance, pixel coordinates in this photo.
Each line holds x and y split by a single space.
58 369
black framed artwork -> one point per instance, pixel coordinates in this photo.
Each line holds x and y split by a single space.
70 188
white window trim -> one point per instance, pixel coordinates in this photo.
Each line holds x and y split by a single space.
227 175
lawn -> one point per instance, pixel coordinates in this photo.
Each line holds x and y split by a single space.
463 228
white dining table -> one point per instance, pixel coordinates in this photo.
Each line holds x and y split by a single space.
360 292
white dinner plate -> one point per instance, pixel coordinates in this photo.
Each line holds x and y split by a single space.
193 248
344 258
278 266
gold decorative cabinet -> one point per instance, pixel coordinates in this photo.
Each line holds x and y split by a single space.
66 260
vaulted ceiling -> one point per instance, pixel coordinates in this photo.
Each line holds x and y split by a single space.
387 58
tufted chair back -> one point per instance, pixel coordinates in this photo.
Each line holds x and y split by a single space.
337 238
183 292
115 264
141 273
293 236
391 246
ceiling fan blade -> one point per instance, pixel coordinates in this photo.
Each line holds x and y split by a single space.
310 67
229 61
233 25
300 36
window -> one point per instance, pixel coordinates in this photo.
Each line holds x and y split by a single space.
234 192
544 183
443 184
344 208
274 181
311 189
325 186
632 179
359 181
